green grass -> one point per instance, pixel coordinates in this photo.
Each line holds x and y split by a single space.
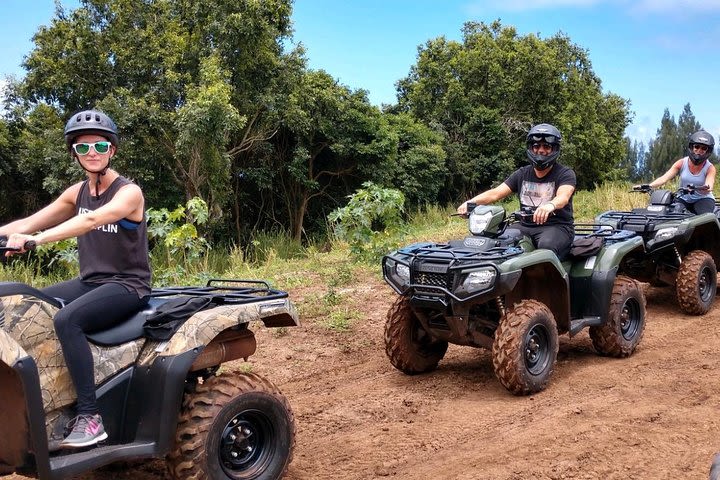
323 274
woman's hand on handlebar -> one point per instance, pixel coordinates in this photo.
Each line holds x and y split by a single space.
19 243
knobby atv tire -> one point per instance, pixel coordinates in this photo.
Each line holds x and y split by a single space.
696 283
235 426
625 325
408 346
525 348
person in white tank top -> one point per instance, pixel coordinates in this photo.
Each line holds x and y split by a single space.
696 170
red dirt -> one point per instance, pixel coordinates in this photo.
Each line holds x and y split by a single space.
650 416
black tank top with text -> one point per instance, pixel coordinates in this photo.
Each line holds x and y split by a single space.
116 252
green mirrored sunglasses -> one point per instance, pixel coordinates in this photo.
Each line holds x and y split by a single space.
84 148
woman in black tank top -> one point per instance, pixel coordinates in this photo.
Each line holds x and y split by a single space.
106 213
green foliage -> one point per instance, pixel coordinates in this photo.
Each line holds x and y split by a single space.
330 135
418 167
188 101
369 220
177 241
484 93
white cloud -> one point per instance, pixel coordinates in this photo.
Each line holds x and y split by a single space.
634 6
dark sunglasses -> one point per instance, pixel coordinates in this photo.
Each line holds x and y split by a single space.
544 138
84 148
700 146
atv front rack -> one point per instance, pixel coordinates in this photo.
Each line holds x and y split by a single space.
229 291
456 257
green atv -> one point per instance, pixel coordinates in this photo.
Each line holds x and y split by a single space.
494 290
681 249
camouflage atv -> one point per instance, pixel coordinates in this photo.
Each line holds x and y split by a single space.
682 249
494 290
157 398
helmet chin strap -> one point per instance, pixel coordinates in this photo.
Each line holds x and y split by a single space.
98 174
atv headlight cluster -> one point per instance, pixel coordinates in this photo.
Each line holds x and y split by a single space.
479 280
665 233
479 222
396 274
403 271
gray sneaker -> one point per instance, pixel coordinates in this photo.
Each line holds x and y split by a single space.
86 430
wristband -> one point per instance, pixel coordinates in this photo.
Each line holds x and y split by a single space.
553 205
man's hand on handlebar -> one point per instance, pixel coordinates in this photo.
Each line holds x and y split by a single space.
465 209
543 212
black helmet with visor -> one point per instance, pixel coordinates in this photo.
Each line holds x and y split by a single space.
543 132
701 137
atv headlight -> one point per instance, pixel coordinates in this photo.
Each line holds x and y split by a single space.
479 222
665 233
479 280
403 271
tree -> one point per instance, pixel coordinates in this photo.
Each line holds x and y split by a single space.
192 85
331 136
485 92
418 167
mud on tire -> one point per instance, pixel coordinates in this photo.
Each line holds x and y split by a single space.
525 348
696 283
235 426
410 348
625 325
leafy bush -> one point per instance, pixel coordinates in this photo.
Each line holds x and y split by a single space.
371 221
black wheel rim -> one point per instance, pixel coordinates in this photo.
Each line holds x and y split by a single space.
537 349
705 284
246 448
630 318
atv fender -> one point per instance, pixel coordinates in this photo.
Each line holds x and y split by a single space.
10 350
604 272
543 279
204 326
611 255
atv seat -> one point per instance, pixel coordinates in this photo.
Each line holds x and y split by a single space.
127 331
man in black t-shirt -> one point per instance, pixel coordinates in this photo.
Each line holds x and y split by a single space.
546 185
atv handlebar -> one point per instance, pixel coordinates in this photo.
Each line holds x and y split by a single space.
689 188
469 208
29 245
644 188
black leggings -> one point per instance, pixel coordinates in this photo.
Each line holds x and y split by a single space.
557 238
89 307
704 205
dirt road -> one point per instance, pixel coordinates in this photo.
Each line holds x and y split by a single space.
651 416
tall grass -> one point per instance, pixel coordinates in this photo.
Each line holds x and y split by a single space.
608 196
288 264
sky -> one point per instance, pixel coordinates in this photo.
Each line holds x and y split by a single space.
659 54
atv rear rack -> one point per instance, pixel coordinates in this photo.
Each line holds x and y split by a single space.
241 291
642 223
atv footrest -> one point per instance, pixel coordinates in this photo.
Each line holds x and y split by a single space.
69 462
577 324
